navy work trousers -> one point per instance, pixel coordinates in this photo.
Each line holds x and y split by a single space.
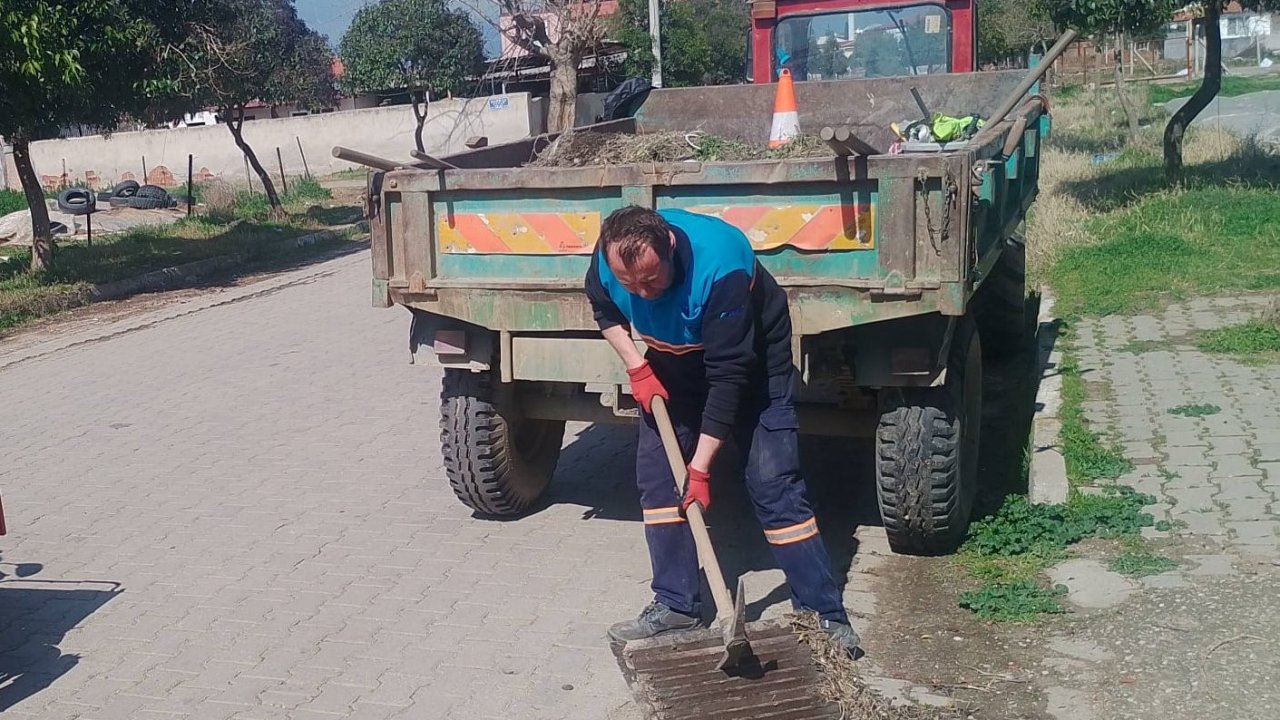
767 435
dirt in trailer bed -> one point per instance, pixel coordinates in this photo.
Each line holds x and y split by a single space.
582 149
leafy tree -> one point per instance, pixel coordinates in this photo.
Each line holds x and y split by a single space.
839 61
256 50
1139 17
1010 28
61 64
1176 128
1112 17
421 46
923 51
879 54
704 42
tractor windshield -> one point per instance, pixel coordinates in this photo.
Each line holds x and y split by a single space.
910 40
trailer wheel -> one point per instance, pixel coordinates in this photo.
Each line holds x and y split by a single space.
1001 303
498 463
927 453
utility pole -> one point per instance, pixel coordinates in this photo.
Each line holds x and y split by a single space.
655 32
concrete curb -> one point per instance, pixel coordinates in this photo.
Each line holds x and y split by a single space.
1047 483
191 272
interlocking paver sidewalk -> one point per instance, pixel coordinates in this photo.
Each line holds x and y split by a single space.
1211 473
240 512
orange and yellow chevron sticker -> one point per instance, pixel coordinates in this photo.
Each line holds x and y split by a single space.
804 227
519 233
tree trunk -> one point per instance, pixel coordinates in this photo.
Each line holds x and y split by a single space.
1209 86
235 123
41 233
564 93
420 117
1130 114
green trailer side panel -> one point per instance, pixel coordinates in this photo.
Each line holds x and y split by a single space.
789 261
514 267
861 262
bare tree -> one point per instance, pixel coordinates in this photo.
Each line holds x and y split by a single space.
255 50
565 32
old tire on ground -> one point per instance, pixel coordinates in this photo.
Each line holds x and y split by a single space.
77 201
151 191
927 453
126 188
498 463
1001 303
138 202
120 202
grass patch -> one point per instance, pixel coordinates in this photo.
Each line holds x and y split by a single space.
1172 246
1195 411
1018 601
1088 458
240 230
1138 347
1009 550
1112 235
12 201
252 205
1259 339
1232 86
1141 563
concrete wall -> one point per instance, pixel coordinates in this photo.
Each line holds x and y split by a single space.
387 132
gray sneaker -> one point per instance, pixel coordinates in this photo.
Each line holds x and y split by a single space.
654 620
842 636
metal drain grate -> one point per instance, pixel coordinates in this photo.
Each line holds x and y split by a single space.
675 677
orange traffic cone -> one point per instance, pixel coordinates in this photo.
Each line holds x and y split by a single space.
786 121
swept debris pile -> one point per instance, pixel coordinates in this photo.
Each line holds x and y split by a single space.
581 149
845 687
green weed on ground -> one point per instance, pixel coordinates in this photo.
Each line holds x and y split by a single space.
26 295
1088 458
1194 411
1009 550
1173 245
1141 563
1018 601
12 201
1257 340
1232 86
1138 347
253 205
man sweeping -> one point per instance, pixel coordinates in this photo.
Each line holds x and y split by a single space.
719 337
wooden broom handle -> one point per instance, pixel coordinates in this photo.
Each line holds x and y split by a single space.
706 553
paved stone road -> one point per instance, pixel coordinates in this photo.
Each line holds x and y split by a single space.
1250 115
238 511
1216 475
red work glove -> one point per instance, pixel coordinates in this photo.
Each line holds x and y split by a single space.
698 490
645 385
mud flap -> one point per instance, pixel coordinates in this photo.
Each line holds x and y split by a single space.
674 676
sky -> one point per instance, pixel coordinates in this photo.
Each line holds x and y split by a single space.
330 17
333 17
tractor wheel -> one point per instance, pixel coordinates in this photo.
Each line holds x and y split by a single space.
927 453
498 463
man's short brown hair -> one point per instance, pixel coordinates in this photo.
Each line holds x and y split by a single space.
629 230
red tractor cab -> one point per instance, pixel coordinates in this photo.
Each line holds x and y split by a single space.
844 39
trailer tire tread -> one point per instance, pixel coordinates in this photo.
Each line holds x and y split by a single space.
925 477
916 455
487 471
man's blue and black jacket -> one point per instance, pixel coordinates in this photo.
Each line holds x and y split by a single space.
719 331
